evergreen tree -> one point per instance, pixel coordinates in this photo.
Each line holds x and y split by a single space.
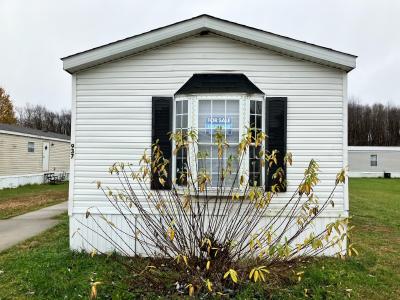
7 114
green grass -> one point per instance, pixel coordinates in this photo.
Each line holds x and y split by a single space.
375 273
14 202
44 268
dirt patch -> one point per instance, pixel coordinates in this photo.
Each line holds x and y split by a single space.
376 228
17 205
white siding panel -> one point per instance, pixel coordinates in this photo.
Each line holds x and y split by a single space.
113 108
167 80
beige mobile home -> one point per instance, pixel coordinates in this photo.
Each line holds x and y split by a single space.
26 155
193 74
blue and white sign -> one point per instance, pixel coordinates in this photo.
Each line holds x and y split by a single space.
222 122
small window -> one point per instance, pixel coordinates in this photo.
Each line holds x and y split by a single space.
374 160
181 124
31 147
254 152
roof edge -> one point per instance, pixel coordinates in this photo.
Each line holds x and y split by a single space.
36 136
163 35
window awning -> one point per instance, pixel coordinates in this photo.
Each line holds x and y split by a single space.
219 83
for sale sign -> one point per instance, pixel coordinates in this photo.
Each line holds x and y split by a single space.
219 122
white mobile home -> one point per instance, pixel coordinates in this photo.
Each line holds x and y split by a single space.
26 155
128 93
374 161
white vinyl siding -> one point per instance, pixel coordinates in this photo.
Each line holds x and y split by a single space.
113 109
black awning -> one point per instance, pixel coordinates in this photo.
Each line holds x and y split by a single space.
219 83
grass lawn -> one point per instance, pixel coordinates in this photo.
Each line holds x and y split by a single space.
375 273
27 198
44 268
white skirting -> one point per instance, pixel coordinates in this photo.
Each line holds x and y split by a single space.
18 180
94 234
360 174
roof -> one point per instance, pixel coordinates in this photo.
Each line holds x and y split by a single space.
18 130
219 83
374 148
196 25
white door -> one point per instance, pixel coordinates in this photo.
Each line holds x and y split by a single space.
46 151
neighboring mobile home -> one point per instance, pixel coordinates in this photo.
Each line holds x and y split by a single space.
26 155
129 93
374 161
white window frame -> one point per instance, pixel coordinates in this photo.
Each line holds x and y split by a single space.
375 161
31 148
244 121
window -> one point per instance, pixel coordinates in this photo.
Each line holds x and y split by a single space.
208 115
181 124
31 147
374 160
256 112
217 116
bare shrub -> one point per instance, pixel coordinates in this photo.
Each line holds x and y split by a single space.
216 230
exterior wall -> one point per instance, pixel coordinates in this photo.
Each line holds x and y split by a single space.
388 161
59 156
113 111
19 167
15 158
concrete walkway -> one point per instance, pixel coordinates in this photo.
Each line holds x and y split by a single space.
20 228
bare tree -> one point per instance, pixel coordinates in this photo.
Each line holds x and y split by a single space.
373 125
39 117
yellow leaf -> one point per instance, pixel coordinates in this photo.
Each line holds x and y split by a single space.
208 265
191 289
251 273
262 275
255 275
93 292
171 233
185 260
209 285
233 274
150 267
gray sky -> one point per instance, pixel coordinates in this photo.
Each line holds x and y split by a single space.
35 34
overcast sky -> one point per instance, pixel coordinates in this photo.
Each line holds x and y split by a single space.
35 34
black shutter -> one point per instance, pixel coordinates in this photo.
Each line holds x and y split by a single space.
161 126
276 127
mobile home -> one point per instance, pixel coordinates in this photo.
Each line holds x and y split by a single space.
26 155
374 161
132 92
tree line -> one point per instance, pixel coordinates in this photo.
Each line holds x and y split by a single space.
373 125
34 116
39 117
